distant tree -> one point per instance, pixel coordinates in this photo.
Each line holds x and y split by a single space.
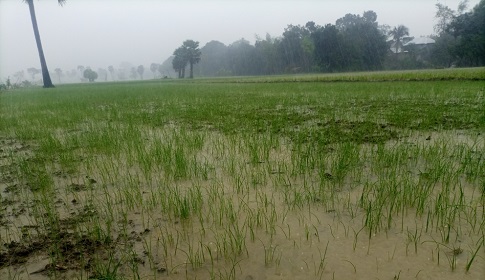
442 51
18 76
354 43
370 17
81 69
26 83
347 21
296 48
445 15
59 73
267 55
140 69
111 70
468 29
45 71
180 60
241 58
364 43
397 34
133 73
329 49
213 59
188 53
453 28
179 64
90 75
154 68
33 71
385 29
8 84
193 54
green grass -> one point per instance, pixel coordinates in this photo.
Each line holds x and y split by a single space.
295 176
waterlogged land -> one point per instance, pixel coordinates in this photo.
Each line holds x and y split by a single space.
361 176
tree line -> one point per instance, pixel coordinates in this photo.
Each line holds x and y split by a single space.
460 39
353 43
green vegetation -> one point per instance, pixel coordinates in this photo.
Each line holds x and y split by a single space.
354 42
188 53
375 175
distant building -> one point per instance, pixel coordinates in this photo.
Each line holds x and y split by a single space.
398 47
421 42
420 47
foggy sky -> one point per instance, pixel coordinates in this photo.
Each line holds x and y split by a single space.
101 33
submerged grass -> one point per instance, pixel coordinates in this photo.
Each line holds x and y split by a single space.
294 177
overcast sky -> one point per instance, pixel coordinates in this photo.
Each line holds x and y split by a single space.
99 33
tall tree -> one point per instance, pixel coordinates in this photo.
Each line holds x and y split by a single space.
330 51
111 70
45 72
180 60
397 34
354 43
193 54
18 76
33 71
445 15
154 68
179 64
81 69
140 69
90 75
267 55
297 48
468 29
241 58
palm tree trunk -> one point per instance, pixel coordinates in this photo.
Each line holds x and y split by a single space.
45 72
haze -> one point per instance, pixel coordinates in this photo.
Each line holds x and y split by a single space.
109 32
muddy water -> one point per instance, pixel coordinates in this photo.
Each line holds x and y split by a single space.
278 239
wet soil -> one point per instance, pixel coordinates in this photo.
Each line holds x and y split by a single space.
310 242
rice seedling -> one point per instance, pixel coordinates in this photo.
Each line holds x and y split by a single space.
295 176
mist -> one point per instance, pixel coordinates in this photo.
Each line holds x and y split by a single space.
98 34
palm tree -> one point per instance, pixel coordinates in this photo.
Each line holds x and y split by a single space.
397 34
140 70
180 60
178 64
45 72
111 70
193 54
